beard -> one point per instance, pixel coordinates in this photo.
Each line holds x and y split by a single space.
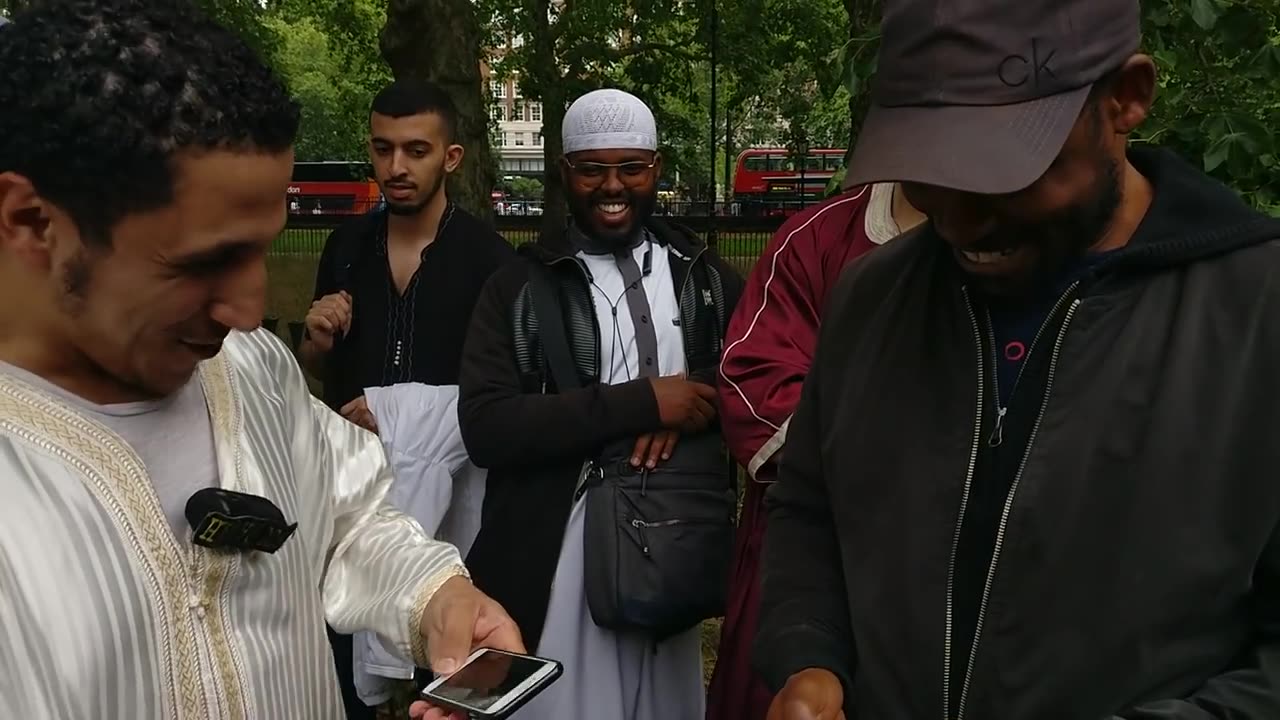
608 237
75 277
413 208
1059 240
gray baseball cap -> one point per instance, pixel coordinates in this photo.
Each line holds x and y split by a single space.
980 95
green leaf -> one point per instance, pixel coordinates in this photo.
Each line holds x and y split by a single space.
1205 13
1217 153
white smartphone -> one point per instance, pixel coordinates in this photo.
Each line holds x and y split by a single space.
492 684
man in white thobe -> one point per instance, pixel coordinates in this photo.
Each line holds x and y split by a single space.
145 154
644 308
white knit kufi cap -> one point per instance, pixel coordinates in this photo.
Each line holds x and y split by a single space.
609 120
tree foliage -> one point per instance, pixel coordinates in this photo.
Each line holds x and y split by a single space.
1219 101
787 71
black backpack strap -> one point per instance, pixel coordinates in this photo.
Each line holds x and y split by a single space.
554 340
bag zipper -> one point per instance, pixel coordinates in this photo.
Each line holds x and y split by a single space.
1002 528
641 525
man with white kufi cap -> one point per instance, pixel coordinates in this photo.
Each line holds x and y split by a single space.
589 369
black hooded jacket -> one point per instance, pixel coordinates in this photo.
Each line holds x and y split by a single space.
1132 562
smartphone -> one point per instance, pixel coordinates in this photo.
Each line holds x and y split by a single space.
492 683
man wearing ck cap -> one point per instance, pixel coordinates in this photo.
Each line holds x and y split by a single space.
1032 471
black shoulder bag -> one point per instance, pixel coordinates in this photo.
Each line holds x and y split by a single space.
658 543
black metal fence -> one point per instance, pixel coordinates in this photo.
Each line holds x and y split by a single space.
738 238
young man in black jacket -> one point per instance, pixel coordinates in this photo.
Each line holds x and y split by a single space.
1032 471
395 287
644 306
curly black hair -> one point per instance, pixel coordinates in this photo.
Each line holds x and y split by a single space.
101 96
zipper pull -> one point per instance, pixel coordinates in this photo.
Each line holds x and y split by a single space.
644 542
997 434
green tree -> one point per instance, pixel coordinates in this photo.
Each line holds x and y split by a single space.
334 106
525 188
1219 99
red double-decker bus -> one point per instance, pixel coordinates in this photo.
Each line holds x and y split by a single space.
332 187
771 181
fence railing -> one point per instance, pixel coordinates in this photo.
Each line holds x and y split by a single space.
740 239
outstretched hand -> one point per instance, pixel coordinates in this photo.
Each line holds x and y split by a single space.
458 620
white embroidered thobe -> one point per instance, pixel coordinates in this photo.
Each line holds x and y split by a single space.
106 613
618 676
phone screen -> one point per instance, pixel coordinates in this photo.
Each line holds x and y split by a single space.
481 683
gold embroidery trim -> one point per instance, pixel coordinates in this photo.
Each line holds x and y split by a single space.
417 643
115 476
224 413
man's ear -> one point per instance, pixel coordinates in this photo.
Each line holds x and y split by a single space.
453 157
1132 93
26 222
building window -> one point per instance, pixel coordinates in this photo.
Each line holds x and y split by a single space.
498 112
498 89
537 138
535 112
519 138
515 89
506 139
517 111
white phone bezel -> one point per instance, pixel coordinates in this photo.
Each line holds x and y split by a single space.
506 700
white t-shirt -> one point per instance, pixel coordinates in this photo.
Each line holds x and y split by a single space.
172 436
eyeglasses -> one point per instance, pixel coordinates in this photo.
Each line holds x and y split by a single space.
628 172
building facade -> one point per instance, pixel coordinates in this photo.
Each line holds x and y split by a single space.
517 138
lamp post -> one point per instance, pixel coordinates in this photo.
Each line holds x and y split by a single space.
802 149
711 205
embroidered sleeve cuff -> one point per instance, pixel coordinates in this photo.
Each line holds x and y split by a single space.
426 591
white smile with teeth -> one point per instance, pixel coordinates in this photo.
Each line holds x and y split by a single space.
612 208
980 258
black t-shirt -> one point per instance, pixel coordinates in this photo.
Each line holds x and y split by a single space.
416 336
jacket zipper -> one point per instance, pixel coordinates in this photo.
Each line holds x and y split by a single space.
1008 506
964 503
997 433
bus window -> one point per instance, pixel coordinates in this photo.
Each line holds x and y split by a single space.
754 163
332 172
780 163
834 162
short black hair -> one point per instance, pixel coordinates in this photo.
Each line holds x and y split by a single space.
100 96
408 96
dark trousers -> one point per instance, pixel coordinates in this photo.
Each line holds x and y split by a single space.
343 662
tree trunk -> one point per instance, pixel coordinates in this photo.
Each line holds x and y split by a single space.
547 79
439 41
554 213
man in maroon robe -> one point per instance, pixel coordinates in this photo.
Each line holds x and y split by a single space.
768 349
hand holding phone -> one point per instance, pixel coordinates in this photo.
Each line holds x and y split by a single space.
492 684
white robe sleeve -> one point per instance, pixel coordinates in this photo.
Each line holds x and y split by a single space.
381 568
